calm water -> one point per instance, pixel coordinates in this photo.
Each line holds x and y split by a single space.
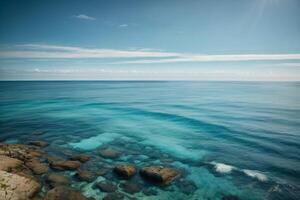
231 139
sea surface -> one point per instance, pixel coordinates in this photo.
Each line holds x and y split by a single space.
231 140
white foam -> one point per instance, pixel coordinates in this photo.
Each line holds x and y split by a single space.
223 168
255 174
94 142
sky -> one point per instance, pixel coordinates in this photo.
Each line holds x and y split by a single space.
150 40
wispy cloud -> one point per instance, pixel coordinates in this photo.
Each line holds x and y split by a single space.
123 25
137 56
55 51
84 17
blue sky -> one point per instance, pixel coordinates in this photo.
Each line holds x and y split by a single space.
150 40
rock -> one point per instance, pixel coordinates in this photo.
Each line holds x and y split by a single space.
102 171
64 193
55 179
37 167
230 197
106 186
9 164
159 174
52 159
85 175
114 196
65 165
186 186
149 192
130 187
19 151
109 153
15 187
81 158
125 171
38 143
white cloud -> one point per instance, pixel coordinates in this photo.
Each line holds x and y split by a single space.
123 25
85 17
55 51
138 56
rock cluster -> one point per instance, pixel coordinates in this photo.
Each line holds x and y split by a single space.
24 168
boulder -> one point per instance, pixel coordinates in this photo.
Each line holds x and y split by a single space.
106 186
130 187
85 175
125 170
15 187
64 193
114 196
65 165
109 153
159 174
19 151
9 164
38 143
37 167
81 158
149 192
55 179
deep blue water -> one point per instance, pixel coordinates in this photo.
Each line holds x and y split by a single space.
230 138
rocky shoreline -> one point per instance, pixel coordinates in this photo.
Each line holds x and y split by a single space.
29 171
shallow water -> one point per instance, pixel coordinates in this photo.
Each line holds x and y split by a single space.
230 139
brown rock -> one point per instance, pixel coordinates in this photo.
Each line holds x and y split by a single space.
64 193
81 158
38 143
19 151
65 165
125 171
15 187
109 153
37 167
106 186
52 159
9 164
84 175
130 187
55 179
159 174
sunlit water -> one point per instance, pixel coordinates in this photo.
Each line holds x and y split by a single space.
232 140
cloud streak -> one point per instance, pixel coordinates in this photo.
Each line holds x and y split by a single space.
84 17
137 56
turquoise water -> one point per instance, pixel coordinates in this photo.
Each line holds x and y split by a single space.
232 140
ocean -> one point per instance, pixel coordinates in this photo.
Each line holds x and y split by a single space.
230 140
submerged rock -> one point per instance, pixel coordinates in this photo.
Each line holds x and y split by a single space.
131 187
81 157
149 192
230 197
85 175
38 143
37 167
186 186
15 187
106 186
55 179
125 170
109 153
159 174
9 164
65 165
114 196
64 193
